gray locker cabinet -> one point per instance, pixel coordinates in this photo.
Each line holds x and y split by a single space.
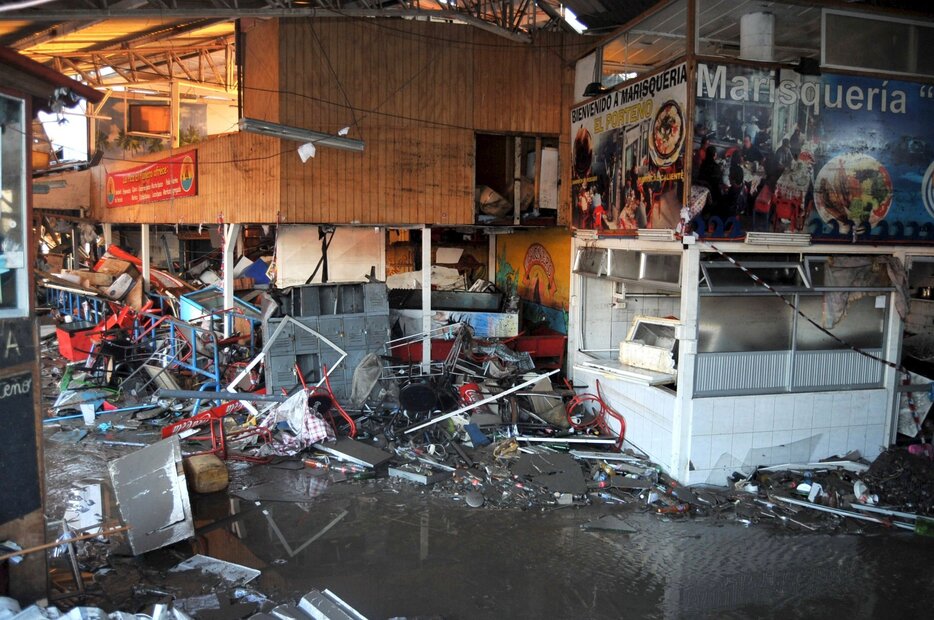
354 316
354 331
332 328
377 331
306 342
376 297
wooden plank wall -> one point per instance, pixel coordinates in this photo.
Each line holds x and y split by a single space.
260 53
74 195
238 180
416 93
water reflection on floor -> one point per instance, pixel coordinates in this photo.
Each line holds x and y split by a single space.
394 549
406 552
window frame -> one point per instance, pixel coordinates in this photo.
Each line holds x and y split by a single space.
21 307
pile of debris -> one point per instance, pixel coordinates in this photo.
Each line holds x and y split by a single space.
311 378
840 494
237 603
310 385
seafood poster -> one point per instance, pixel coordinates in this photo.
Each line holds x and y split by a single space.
836 156
628 154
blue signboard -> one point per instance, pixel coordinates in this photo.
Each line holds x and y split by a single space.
840 157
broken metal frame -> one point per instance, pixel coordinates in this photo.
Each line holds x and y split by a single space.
268 344
479 403
418 371
84 306
198 353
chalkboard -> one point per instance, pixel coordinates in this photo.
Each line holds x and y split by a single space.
16 343
19 490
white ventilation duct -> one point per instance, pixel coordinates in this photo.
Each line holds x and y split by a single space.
757 36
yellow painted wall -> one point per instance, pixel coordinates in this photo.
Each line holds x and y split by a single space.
536 265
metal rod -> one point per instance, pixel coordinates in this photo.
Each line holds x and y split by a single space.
884 511
488 399
833 511
198 395
13 554
607 440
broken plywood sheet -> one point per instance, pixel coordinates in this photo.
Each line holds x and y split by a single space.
152 495
559 473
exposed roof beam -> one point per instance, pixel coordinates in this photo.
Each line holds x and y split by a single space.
185 13
158 33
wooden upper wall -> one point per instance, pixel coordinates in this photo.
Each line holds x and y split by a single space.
238 181
415 92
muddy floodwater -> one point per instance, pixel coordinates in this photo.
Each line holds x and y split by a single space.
393 549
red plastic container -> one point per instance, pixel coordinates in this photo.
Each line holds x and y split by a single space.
412 352
75 339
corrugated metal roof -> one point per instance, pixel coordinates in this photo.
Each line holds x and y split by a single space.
608 14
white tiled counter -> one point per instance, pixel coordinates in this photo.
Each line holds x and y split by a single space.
739 433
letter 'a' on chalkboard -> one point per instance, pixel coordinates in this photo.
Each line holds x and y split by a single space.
19 492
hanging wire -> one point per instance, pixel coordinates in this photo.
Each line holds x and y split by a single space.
897 367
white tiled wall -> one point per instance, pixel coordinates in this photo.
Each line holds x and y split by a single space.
606 326
647 306
740 433
648 412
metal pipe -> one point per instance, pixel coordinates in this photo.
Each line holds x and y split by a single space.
605 440
884 511
479 403
833 511
198 395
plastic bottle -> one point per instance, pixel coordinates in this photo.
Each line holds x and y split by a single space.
924 526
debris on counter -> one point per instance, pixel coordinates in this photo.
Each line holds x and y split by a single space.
840 494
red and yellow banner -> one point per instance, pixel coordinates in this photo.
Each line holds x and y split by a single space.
172 177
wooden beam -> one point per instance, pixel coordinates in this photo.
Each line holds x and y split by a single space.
155 69
184 69
87 78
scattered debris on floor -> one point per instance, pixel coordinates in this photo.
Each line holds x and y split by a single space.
310 392
237 603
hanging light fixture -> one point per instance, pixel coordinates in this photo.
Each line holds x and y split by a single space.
298 134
